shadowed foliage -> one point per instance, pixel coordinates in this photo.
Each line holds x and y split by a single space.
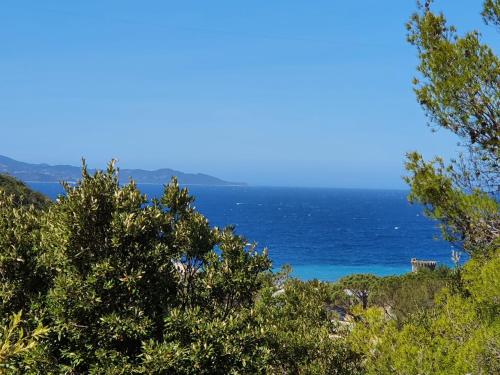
23 195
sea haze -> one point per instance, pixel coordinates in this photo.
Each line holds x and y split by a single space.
321 233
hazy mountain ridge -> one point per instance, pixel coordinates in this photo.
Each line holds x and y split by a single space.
55 173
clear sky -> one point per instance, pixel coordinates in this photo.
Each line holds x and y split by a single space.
270 92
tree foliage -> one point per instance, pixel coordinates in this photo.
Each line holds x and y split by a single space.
132 285
403 296
459 88
491 12
304 332
470 219
110 272
360 286
452 327
16 341
456 335
459 82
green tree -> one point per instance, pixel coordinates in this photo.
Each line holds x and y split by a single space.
360 286
453 337
458 86
457 332
459 89
119 278
491 12
403 296
303 332
197 341
22 280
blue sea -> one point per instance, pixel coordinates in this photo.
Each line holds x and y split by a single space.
322 233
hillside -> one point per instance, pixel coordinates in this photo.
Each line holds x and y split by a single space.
23 194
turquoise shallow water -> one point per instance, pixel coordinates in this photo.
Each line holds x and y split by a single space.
335 272
322 233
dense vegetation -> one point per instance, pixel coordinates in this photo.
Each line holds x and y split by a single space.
21 193
107 281
126 285
458 332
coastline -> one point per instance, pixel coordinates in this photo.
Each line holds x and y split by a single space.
334 272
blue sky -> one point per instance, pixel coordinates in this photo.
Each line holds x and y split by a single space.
285 92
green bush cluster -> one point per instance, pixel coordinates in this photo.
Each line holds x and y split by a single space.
128 285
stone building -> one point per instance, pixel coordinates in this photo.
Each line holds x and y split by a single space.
421 264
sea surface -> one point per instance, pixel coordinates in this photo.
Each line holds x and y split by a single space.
321 233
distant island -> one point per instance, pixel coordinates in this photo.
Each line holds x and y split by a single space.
54 173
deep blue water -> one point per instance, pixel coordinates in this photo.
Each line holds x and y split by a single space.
321 233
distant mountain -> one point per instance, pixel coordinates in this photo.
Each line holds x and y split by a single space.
55 173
